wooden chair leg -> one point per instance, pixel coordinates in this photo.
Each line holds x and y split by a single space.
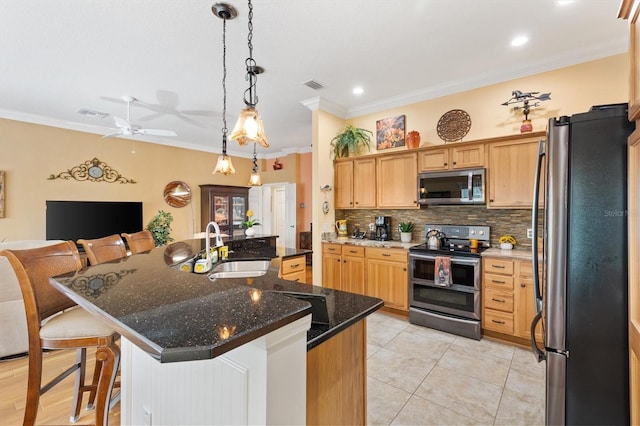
33 387
110 358
78 391
94 383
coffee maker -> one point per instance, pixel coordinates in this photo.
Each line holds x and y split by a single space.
383 228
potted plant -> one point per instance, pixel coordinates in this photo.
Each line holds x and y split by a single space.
350 140
250 223
507 242
160 227
406 228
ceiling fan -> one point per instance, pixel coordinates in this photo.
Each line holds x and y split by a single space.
125 126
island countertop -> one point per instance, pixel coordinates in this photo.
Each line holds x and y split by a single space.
180 316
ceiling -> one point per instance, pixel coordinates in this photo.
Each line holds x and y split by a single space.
57 56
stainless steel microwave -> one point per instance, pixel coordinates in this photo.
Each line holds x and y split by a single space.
452 187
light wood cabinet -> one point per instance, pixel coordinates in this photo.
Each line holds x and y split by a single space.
355 183
397 181
387 276
459 157
343 267
294 268
511 170
508 302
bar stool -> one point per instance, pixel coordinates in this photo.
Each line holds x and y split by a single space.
106 249
139 241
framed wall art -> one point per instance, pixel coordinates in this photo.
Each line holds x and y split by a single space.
390 132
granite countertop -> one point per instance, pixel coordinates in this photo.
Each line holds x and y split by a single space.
511 254
371 243
181 316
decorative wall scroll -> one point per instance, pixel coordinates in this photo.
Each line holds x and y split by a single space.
94 171
390 132
1 193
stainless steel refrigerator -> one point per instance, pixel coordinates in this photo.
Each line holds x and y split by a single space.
581 293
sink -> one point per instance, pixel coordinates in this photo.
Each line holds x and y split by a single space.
240 269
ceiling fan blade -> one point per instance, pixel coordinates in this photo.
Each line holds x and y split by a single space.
92 113
113 135
121 123
156 132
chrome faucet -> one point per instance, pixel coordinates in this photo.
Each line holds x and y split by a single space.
204 265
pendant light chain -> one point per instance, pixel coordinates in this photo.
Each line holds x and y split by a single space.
252 71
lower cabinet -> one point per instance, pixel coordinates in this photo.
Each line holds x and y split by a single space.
507 293
294 268
387 276
374 271
343 268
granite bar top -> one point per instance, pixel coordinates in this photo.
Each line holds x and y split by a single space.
181 316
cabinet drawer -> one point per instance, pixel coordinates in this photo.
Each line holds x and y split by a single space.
300 277
501 282
501 322
353 251
393 255
499 300
332 248
293 264
498 266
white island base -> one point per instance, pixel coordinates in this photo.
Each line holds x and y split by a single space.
261 382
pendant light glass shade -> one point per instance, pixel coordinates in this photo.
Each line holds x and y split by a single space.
249 128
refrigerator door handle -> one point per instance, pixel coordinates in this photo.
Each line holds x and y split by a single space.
537 292
539 354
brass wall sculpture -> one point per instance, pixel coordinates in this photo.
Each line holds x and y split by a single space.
94 171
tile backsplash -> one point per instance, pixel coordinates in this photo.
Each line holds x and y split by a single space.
512 222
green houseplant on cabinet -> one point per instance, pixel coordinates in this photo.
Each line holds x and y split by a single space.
406 229
351 139
160 227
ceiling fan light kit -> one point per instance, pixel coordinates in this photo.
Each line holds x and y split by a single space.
224 11
249 127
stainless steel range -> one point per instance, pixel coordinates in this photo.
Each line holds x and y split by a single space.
451 304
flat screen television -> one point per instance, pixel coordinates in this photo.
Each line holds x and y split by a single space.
72 220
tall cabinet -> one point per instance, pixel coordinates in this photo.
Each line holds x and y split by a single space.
226 205
630 9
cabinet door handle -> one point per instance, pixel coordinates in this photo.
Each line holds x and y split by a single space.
497 300
331 249
454 163
523 285
294 266
497 322
491 200
345 261
386 254
498 266
297 279
353 251
498 282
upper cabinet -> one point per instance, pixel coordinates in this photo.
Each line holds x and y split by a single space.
355 183
397 181
457 157
511 170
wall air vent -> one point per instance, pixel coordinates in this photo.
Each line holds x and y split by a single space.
313 84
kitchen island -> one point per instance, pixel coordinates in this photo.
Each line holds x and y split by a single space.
230 350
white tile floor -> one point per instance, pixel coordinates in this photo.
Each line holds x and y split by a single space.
421 376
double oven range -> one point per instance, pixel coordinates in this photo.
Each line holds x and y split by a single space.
453 307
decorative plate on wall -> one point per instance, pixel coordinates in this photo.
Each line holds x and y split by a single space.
177 194
454 125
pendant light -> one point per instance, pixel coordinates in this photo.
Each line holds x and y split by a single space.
224 11
249 127
255 179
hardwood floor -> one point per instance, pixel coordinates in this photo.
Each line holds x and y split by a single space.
55 405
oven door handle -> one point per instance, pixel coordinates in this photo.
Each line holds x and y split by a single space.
458 260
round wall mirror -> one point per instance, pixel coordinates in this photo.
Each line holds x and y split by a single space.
177 194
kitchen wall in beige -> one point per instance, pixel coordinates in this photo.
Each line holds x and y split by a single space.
573 89
30 153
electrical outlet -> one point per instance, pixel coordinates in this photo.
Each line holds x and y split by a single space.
529 233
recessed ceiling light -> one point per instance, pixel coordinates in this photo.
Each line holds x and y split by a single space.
358 90
519 40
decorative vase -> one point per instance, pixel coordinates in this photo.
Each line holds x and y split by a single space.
405 237
412 140
249 232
